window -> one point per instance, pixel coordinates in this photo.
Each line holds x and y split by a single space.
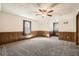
26 27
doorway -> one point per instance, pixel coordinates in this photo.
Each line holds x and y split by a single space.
55 29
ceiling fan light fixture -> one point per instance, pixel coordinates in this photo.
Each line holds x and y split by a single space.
46 11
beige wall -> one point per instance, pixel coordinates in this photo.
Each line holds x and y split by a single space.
47 24
70 18
70 26
35 26
11 23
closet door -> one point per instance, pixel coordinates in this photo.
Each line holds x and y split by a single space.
26 27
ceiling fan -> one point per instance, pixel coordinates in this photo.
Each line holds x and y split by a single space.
46 11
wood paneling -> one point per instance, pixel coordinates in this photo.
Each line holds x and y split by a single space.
6 37
34 33
40 33
69 36
51 33
54 34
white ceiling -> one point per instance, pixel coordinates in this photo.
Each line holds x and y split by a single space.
30 9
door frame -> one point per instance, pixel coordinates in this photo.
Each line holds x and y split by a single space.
77 21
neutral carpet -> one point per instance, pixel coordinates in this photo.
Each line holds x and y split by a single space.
40 46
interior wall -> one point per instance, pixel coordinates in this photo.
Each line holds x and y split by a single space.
67 23
34 26
71 19
54 19
43 23
67 26
13 23
10 22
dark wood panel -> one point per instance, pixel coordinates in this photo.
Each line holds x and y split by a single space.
40 33
51 33
77 29
6 37
54 34
69 36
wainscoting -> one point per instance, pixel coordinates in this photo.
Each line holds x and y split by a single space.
51 33
69 36
54 33
40 33
6 37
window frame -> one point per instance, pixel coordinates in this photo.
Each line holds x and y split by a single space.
24 27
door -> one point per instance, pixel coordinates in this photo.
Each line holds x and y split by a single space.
77 29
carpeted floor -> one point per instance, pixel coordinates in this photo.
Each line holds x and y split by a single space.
40 46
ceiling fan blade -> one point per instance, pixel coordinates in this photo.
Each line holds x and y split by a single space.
50 11
40 10
49 15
